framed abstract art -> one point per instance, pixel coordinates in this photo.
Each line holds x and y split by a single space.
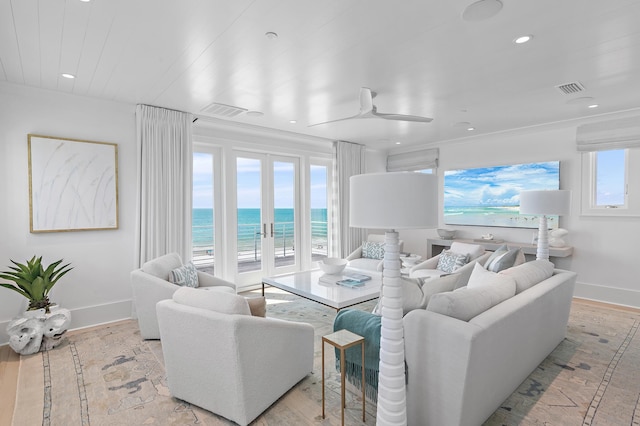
73 184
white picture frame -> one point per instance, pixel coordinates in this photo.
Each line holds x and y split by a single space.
73 184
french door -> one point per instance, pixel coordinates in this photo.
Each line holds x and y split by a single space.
267 216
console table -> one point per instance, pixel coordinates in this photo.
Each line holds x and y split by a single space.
436 245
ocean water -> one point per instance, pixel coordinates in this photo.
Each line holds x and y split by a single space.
250 224
507 216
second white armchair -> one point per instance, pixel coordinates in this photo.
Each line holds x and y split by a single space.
369 256
150 284
429 268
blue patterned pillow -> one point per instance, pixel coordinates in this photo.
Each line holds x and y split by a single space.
186 275
450 261
372 250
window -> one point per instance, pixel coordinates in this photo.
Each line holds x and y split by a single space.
608 178
202 228
319 191
610 167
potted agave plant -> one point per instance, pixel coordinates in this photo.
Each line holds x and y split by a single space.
34 281
38 328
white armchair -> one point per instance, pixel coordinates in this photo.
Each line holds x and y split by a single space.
357 261
429 268
228 362
150 284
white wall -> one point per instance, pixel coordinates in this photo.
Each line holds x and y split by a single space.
605 255
97 289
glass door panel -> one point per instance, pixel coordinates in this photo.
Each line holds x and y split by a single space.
250 225
284 214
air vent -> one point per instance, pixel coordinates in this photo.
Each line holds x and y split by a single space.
222 110
570 88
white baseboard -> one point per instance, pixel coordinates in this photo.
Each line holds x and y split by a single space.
616 296
87 317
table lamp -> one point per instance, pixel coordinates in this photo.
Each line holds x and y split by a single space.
392 201
543 203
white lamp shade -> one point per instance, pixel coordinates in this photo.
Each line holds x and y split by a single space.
545 202
398 200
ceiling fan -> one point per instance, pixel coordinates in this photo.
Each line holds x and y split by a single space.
369 110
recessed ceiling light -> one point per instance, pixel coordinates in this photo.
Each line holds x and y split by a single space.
66 75
85 1
292 121
593 106
481 10
271 35
523 39
470 129
398 143
255 113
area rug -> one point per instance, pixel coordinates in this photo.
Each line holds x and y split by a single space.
107 375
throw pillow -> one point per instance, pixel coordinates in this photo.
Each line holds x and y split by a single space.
481 277
186 275
529 274
449 261
503 259
497 253
258 306
217 301
465 303
416 292
372 250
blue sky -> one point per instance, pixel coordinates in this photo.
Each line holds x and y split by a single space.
610 177
249 195
497 186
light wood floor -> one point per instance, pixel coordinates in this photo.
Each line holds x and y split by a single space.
9 366
10 363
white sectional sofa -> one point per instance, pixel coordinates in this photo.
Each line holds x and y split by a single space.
460 371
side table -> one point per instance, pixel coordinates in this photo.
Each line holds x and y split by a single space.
342 340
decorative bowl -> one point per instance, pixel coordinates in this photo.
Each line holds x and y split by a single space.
332 265
447 234
411 260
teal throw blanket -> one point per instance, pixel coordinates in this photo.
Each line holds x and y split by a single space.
366 325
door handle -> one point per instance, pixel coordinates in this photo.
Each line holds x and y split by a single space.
264 230
271 230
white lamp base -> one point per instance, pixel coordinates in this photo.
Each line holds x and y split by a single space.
392 400
542 252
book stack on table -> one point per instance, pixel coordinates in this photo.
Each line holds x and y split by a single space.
347 279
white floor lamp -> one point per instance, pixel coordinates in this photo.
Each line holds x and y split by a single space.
543 203
392 201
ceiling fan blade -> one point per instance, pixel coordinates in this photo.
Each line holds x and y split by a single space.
335 121
402 117
366 100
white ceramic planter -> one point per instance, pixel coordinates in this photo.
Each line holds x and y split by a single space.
34 331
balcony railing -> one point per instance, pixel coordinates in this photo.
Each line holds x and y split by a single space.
249 245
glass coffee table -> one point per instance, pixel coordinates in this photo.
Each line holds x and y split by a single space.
307 284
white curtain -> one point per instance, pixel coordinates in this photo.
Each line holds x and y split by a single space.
414 160
605 135
165 163
348 160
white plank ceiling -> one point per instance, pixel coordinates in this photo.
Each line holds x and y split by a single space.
419 56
